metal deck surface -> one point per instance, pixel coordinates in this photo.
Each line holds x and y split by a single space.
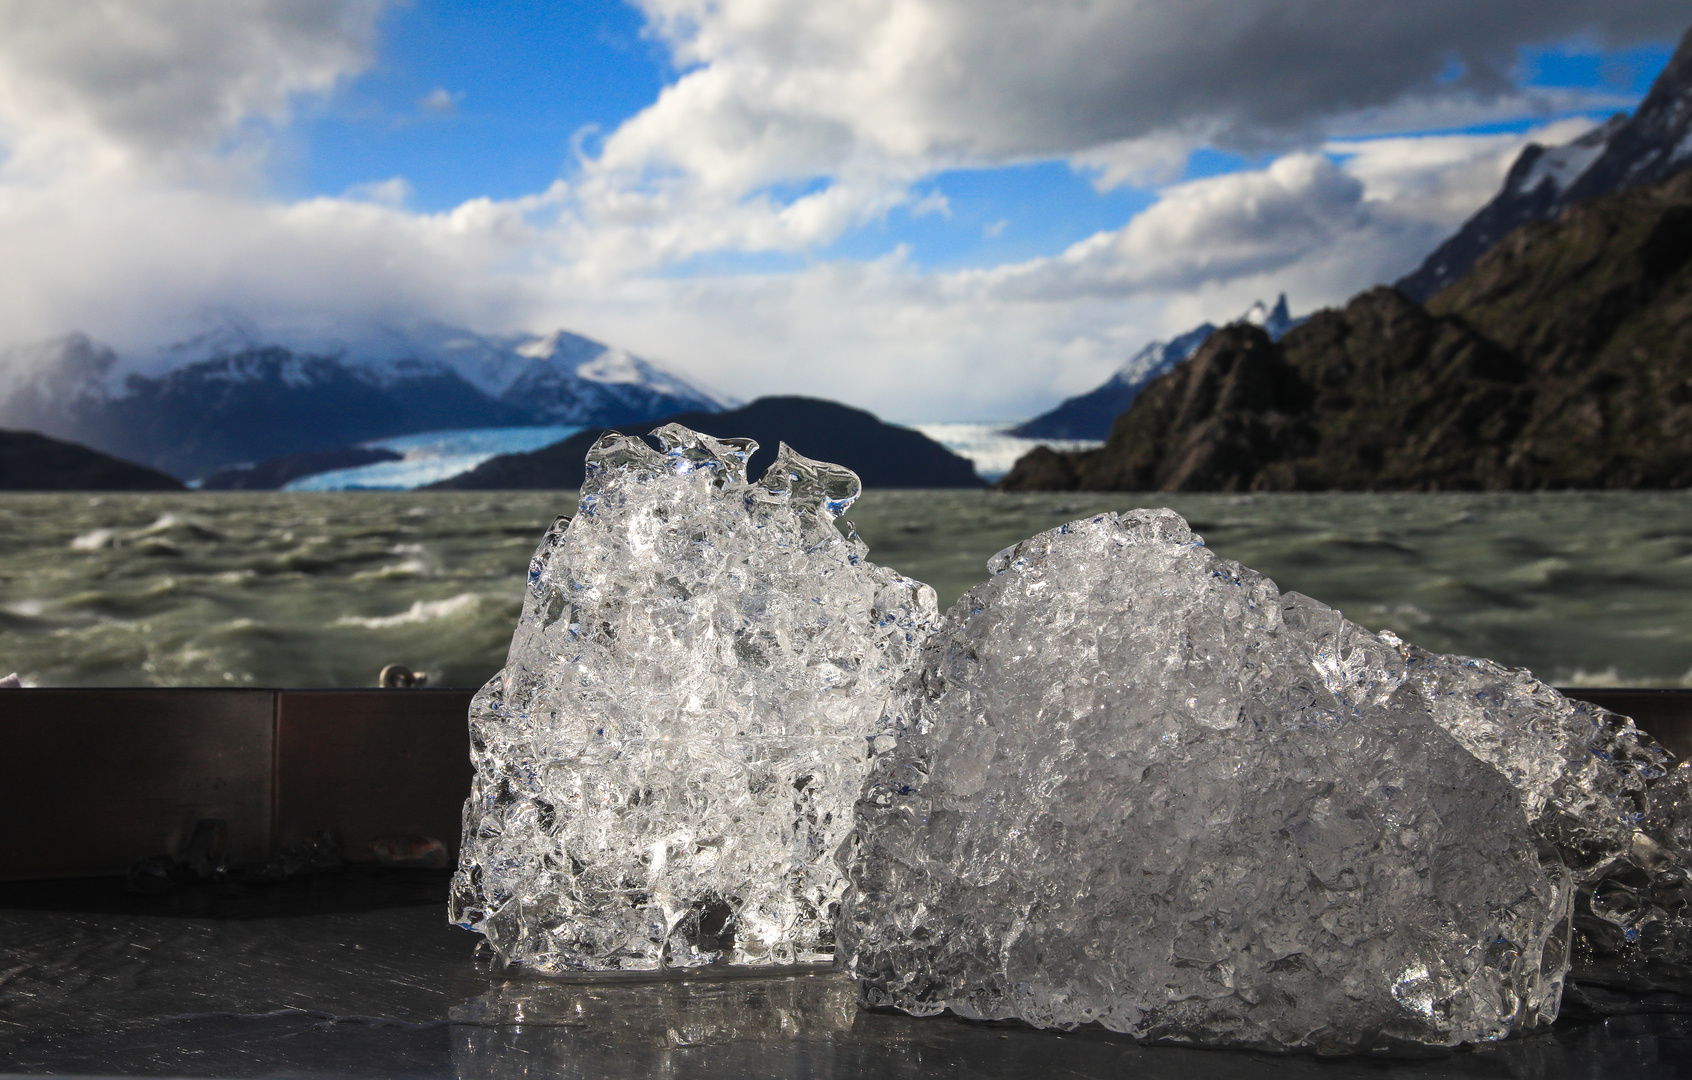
356 973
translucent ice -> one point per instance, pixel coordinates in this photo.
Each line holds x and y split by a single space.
667 763
1133 783
1616 805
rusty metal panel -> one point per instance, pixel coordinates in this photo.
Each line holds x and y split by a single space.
385 770
93 780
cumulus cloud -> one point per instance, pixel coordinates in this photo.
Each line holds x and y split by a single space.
139 269
873 93
1003 341
792 123
1442 178
440 101
785 86
1219 228
1392 197
881 334
148 84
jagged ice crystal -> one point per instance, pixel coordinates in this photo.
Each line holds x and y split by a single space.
1123 781
1135 784
666 765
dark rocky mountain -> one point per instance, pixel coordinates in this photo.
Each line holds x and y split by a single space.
271 402
30 461
883 455
1089 415
227 397
272 473
1626 152
1563 359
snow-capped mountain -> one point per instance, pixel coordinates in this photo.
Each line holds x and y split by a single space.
1090 415
234 392
1623 152
1275 320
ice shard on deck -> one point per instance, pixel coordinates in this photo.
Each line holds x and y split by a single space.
1133 783
1615 804
667 763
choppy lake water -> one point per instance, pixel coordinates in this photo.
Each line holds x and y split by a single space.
324 588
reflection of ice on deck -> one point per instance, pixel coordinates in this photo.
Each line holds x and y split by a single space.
666 1013
93 989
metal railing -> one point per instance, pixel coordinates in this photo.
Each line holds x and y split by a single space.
93 780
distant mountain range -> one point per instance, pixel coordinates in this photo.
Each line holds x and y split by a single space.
1626 152
33 462
1563 359
883 455
1089 415
1552 351
235 394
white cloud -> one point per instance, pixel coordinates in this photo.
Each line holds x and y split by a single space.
395 191
881 334
119 118
157 85
440 100
1005 341
1217 229
1442 178
873 94
135 265
790 87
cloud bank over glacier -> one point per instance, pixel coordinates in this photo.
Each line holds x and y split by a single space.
142 140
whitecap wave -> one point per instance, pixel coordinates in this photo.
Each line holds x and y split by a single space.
403 569
421 611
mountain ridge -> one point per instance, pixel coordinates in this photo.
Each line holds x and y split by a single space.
234 394
1563 359
31 461
1090 415
1622 153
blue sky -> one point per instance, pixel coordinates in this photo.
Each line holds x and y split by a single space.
464 100
938 209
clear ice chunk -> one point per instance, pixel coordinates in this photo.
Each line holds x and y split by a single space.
1133 783
667 763
1617 806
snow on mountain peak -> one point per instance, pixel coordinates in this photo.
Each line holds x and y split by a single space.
614 366
385 355
190 406
560 345
1563 165
540 348
1275 321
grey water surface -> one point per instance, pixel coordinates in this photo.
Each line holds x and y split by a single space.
324 588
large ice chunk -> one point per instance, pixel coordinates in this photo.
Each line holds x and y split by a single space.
1617 806
667 763
1135 784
